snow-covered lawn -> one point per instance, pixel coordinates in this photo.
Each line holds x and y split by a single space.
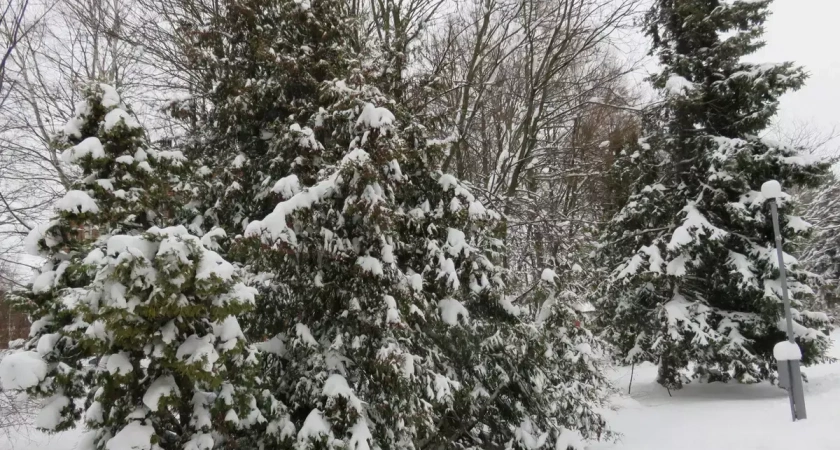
698 417
725 416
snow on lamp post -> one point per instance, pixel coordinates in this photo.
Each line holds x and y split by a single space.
787 353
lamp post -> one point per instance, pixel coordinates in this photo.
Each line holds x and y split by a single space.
787 353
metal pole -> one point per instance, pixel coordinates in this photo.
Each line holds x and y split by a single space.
795 392
782 271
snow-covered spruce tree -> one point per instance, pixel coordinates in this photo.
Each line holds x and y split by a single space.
695 276
821 253
107 145
393 330
133 324
264 63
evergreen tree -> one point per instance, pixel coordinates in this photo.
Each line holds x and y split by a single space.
258 107
694 271
381 306
137 320
393 329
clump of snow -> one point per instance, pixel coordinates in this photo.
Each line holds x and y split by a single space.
47 342
94 413
771 189
90 146
443 386
43 282
209 238
787 351
654 257
456 242
275 345
200 441
118 364
677 266
213 264
450 309
529 437
274 225
374 117
302 331
198 349
360 436
570 439
416 281
695 223
336 386
477 210
77 202
38 232
134 436
110 97
74 125
314 426
797 224
392 314
228 330
162 387
287 186
117 116
548 275
50 415
22 370
676 85
507 304
133 244
370 264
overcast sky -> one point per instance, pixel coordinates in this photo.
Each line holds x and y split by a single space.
808 33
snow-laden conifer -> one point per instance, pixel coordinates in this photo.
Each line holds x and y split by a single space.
134 320
694 270
392 328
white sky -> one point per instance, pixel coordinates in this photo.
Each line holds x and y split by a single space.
806 32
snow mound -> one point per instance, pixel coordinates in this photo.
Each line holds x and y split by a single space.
22 370
787 351
287 186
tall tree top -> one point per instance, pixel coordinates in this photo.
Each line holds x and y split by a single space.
701 45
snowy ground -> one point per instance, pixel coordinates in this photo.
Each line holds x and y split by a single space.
725 416
698 417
